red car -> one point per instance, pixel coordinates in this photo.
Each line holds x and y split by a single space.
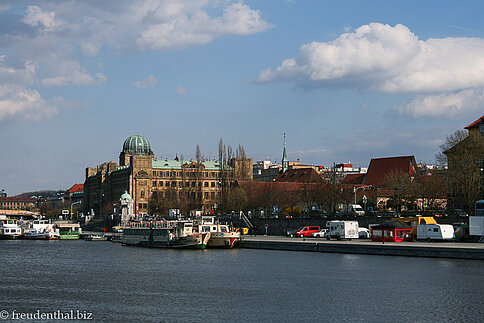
307 231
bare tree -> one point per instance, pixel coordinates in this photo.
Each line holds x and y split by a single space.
450 141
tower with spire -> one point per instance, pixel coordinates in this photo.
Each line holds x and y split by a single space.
285 162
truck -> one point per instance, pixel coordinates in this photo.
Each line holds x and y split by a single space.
415 221
435 232
342 230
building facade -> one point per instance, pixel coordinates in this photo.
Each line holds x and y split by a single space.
140 174
465 173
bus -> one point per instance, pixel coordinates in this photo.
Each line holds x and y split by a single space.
479 210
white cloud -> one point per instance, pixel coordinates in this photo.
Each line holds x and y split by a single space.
388 59
180 90
36 17
19 102
177 26
149 82
447 105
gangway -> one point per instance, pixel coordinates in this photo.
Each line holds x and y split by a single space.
246 220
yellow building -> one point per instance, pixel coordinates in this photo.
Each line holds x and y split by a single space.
141 174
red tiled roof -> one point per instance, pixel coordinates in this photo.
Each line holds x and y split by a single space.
353 179
380 168
17 199
475 123
299 175
76 188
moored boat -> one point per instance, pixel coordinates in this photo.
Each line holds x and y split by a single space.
221 235
41 230
10 229
68 230
164 234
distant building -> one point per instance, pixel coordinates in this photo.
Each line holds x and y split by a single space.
18 203
75 193
266 171
140 174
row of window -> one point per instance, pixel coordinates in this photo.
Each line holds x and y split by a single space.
180 174
180 184
206 195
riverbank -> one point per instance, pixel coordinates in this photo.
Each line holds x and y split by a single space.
453 250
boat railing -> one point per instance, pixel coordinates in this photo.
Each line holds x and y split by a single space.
153 224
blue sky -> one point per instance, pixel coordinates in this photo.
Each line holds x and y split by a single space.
345 80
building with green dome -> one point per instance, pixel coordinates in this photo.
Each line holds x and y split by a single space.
141 175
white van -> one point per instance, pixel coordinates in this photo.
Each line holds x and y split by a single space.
435 232
356 209
342 230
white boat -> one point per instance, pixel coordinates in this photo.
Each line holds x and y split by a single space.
221 235
164 234
42 230
10 229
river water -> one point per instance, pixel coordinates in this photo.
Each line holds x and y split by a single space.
129 284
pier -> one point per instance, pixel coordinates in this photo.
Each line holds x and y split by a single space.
454 250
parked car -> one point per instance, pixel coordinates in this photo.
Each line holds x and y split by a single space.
291 232
319 234
307 231
364 233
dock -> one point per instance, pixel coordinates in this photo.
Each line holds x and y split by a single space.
453 250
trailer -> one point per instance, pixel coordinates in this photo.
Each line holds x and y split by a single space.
342 230
435 232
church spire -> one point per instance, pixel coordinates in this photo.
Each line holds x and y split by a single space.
285 162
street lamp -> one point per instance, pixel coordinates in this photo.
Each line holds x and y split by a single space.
355 189
78 202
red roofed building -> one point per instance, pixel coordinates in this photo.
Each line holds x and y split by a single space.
381 168
75 193
76 188
476 127
299 175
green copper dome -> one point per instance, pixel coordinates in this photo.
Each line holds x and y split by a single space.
126 196
137 145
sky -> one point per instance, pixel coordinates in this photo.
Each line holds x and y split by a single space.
346 81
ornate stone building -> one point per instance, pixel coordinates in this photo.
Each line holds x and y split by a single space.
141 174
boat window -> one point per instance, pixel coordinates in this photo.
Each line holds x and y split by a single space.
214 228
436 229
223 229
205 229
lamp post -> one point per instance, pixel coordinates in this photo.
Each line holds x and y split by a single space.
355 189
78 202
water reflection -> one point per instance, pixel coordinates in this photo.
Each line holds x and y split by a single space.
134 284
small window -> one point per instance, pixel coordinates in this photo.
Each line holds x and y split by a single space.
154 183
160 184
205 184
436 229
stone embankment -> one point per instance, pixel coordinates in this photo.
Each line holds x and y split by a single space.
454 250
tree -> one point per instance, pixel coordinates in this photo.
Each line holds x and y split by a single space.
465 161
237 200
450 141
431 188
401 186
